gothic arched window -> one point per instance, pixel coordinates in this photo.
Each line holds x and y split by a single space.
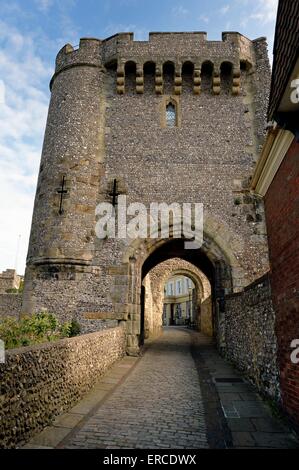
170 115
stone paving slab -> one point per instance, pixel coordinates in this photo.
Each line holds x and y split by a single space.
241 425
68 420
242 439
268 425
248 422
50 436
32 446
274 440
251 409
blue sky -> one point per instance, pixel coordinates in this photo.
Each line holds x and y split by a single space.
32 32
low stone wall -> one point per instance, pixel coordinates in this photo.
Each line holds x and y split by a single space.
250 336
90 325
43 381
10 305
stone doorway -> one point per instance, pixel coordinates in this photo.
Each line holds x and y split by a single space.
172 260
218 274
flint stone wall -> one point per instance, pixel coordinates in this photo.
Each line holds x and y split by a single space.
250 336
10 305
208 156
43 381
90 325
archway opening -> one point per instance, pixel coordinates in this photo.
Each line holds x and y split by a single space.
168 78
130 77
206 76
226 77
187 76
211 279
149 69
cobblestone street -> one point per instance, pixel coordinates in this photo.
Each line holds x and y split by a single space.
159 405
179 394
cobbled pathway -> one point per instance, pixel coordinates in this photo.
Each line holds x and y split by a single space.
159 405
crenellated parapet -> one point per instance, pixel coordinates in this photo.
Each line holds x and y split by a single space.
162 48
88 53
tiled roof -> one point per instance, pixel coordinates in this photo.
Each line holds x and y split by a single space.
286 50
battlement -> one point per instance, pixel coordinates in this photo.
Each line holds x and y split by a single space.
160 48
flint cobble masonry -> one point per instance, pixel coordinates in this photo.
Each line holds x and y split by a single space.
40 382
251 343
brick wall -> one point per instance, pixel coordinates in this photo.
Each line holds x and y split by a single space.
10 305
282 215
60 373
250 336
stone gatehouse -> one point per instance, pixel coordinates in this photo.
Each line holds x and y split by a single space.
177 118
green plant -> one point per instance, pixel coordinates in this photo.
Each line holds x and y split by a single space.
75 328
38 328
237 201
14 290
21 286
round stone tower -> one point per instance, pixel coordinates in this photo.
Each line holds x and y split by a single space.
63 219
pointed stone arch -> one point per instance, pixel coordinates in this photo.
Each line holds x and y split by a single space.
217 258
154 283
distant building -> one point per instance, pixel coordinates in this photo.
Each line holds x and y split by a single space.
178 306
9 279
276 179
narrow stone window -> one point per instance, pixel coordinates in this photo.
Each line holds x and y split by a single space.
170 115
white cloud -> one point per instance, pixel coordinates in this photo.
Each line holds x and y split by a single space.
140 34
179 11
244 23
265 11
2 92
224 9
204 18
22 116
44 5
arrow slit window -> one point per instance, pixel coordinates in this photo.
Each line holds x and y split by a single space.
171 118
